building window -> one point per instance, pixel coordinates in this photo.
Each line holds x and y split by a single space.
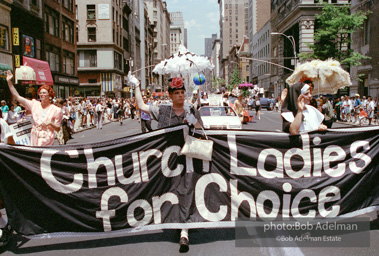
91 12
4 38
52 22
87 58
38 49
91 34
117 61
34 2
155 14
67 30
53 57
68 63
366 32
68 4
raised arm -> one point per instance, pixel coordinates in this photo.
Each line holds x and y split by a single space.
295 125
141 105
13 90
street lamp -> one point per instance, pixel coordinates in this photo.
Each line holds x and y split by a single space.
293 42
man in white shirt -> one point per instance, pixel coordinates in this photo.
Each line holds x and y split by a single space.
370 110
364 103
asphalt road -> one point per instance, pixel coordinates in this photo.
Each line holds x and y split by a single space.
165 242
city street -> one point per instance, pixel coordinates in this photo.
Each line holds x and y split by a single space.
270 121
165 242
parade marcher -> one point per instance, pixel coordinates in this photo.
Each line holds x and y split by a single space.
5 229
257 108
238 107
145 118
47 117
63 134
297 114
12 115
166 116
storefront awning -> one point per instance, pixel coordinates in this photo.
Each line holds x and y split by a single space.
106 82
42 69
3 70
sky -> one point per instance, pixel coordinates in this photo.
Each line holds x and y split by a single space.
201 18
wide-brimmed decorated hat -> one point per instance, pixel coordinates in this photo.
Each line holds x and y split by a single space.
176 83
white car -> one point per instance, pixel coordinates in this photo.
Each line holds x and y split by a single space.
219 117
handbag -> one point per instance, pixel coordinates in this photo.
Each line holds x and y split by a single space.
198 148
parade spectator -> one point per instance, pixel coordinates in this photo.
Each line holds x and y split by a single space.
4 110
168 115
362 115
99 111
328 111
47 117
85 113
79 115
370 109
297 114
132 109
337 108
120 112
357 106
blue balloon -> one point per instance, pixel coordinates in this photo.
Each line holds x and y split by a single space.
199 79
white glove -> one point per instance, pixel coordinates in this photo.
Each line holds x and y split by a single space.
191 119
186 108
132 80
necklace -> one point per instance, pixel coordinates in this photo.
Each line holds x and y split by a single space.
178 108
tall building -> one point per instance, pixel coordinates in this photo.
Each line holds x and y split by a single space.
177 21
234 16
364 42
159 16
259 14
295 19
6 60
175 42
100 47
215 58
28 28
261 53
60 46
208 44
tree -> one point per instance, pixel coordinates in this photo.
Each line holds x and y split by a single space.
332 37
217 82
234 79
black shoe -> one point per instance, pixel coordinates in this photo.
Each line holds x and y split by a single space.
184 244
7 232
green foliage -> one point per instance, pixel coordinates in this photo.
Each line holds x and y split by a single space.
234 79
245 92
217 82
332 39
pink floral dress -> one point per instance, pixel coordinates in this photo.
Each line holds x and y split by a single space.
43 136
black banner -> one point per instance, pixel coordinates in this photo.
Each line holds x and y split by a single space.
142 182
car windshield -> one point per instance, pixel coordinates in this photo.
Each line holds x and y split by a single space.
217 111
